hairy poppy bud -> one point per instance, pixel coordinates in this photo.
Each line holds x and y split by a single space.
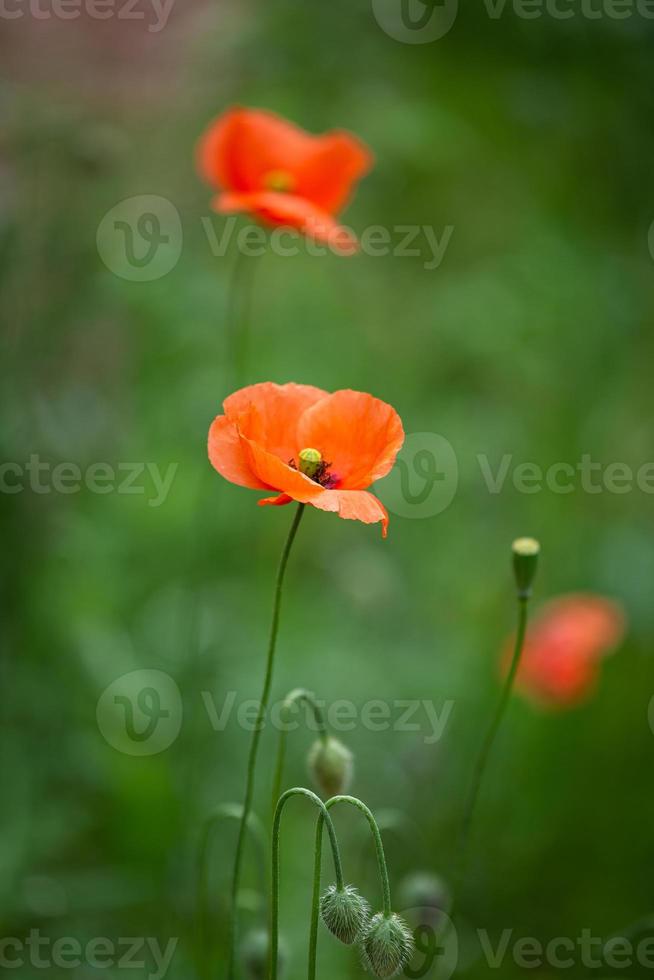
525 561
344 912
425 891
255 952
310 460
330 766
387 945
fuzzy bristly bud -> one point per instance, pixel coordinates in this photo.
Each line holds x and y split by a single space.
255 952
344 912
525 562
387 945
331 766
310 461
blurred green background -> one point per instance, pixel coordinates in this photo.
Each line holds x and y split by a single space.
532 139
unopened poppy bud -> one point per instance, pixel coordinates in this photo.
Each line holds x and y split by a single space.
255 952
344 912
525 562
331 766
387 945
310 460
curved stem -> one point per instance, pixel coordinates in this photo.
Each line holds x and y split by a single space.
338 870
487 744
226 811
256 737
298 695
379 846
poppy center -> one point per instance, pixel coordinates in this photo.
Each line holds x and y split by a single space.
279 180
310 462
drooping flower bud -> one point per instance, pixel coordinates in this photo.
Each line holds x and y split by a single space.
331 766
344 912
525 562
426 892
310 461
387 945
255 952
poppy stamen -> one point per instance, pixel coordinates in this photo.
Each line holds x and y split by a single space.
279 180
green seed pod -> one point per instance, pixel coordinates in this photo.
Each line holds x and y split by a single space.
525 562
344 912
387 945
331 766
255 952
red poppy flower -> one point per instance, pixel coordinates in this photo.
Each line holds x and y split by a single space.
281 174
564 646
309 446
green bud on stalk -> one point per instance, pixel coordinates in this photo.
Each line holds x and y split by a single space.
345 913
387 945
331 766
525 562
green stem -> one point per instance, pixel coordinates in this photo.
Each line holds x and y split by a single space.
294 697
324 817
239 301
487 744
315 899
226 811
379 846
256 737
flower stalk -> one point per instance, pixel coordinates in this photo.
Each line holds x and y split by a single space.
323 818
256 737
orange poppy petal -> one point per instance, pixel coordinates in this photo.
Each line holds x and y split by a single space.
241 148
227 456
278 501
327 177
268 414
290 211
359 435
353 505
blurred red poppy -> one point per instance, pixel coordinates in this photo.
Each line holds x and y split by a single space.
309 446
564 647
281 174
